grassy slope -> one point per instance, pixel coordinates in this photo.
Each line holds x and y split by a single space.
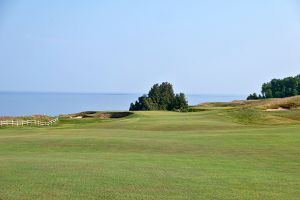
288 102
255 111
153 155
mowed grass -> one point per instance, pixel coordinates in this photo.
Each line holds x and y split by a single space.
153 155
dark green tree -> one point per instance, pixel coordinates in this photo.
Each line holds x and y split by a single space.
166 96
252 96
279 88
267 90
154 93
180 102
160 97
143 103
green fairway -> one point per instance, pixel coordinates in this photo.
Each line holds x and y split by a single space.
213 154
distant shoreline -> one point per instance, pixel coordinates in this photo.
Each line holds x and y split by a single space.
52 104
115 93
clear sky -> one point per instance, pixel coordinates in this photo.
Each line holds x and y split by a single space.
121 46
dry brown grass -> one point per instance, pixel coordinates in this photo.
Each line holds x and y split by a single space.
97 114
287 103
32 117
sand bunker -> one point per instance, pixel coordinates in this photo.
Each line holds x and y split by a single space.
94 114
277 109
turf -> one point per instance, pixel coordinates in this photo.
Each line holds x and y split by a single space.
212 154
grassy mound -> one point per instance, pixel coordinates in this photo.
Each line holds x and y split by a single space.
254 112
288 103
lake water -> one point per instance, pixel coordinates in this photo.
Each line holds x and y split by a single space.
27 103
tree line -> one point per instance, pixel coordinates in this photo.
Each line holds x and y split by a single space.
278 88
161 97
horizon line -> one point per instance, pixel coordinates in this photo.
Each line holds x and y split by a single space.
112 93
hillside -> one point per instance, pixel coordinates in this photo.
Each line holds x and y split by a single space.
258 112
275 103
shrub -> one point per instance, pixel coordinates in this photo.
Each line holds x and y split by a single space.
161 97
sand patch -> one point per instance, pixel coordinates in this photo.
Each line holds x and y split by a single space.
277 109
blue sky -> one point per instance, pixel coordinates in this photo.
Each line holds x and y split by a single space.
206 47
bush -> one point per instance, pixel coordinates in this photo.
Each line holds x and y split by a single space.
161 97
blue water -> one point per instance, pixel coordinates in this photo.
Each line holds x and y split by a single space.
28 103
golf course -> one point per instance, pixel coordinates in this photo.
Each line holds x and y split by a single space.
150 100
236 150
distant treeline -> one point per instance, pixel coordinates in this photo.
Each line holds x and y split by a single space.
161 97
279 88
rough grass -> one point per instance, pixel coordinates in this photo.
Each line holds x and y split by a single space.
33 117
97 114
253 111
288 103
213 154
